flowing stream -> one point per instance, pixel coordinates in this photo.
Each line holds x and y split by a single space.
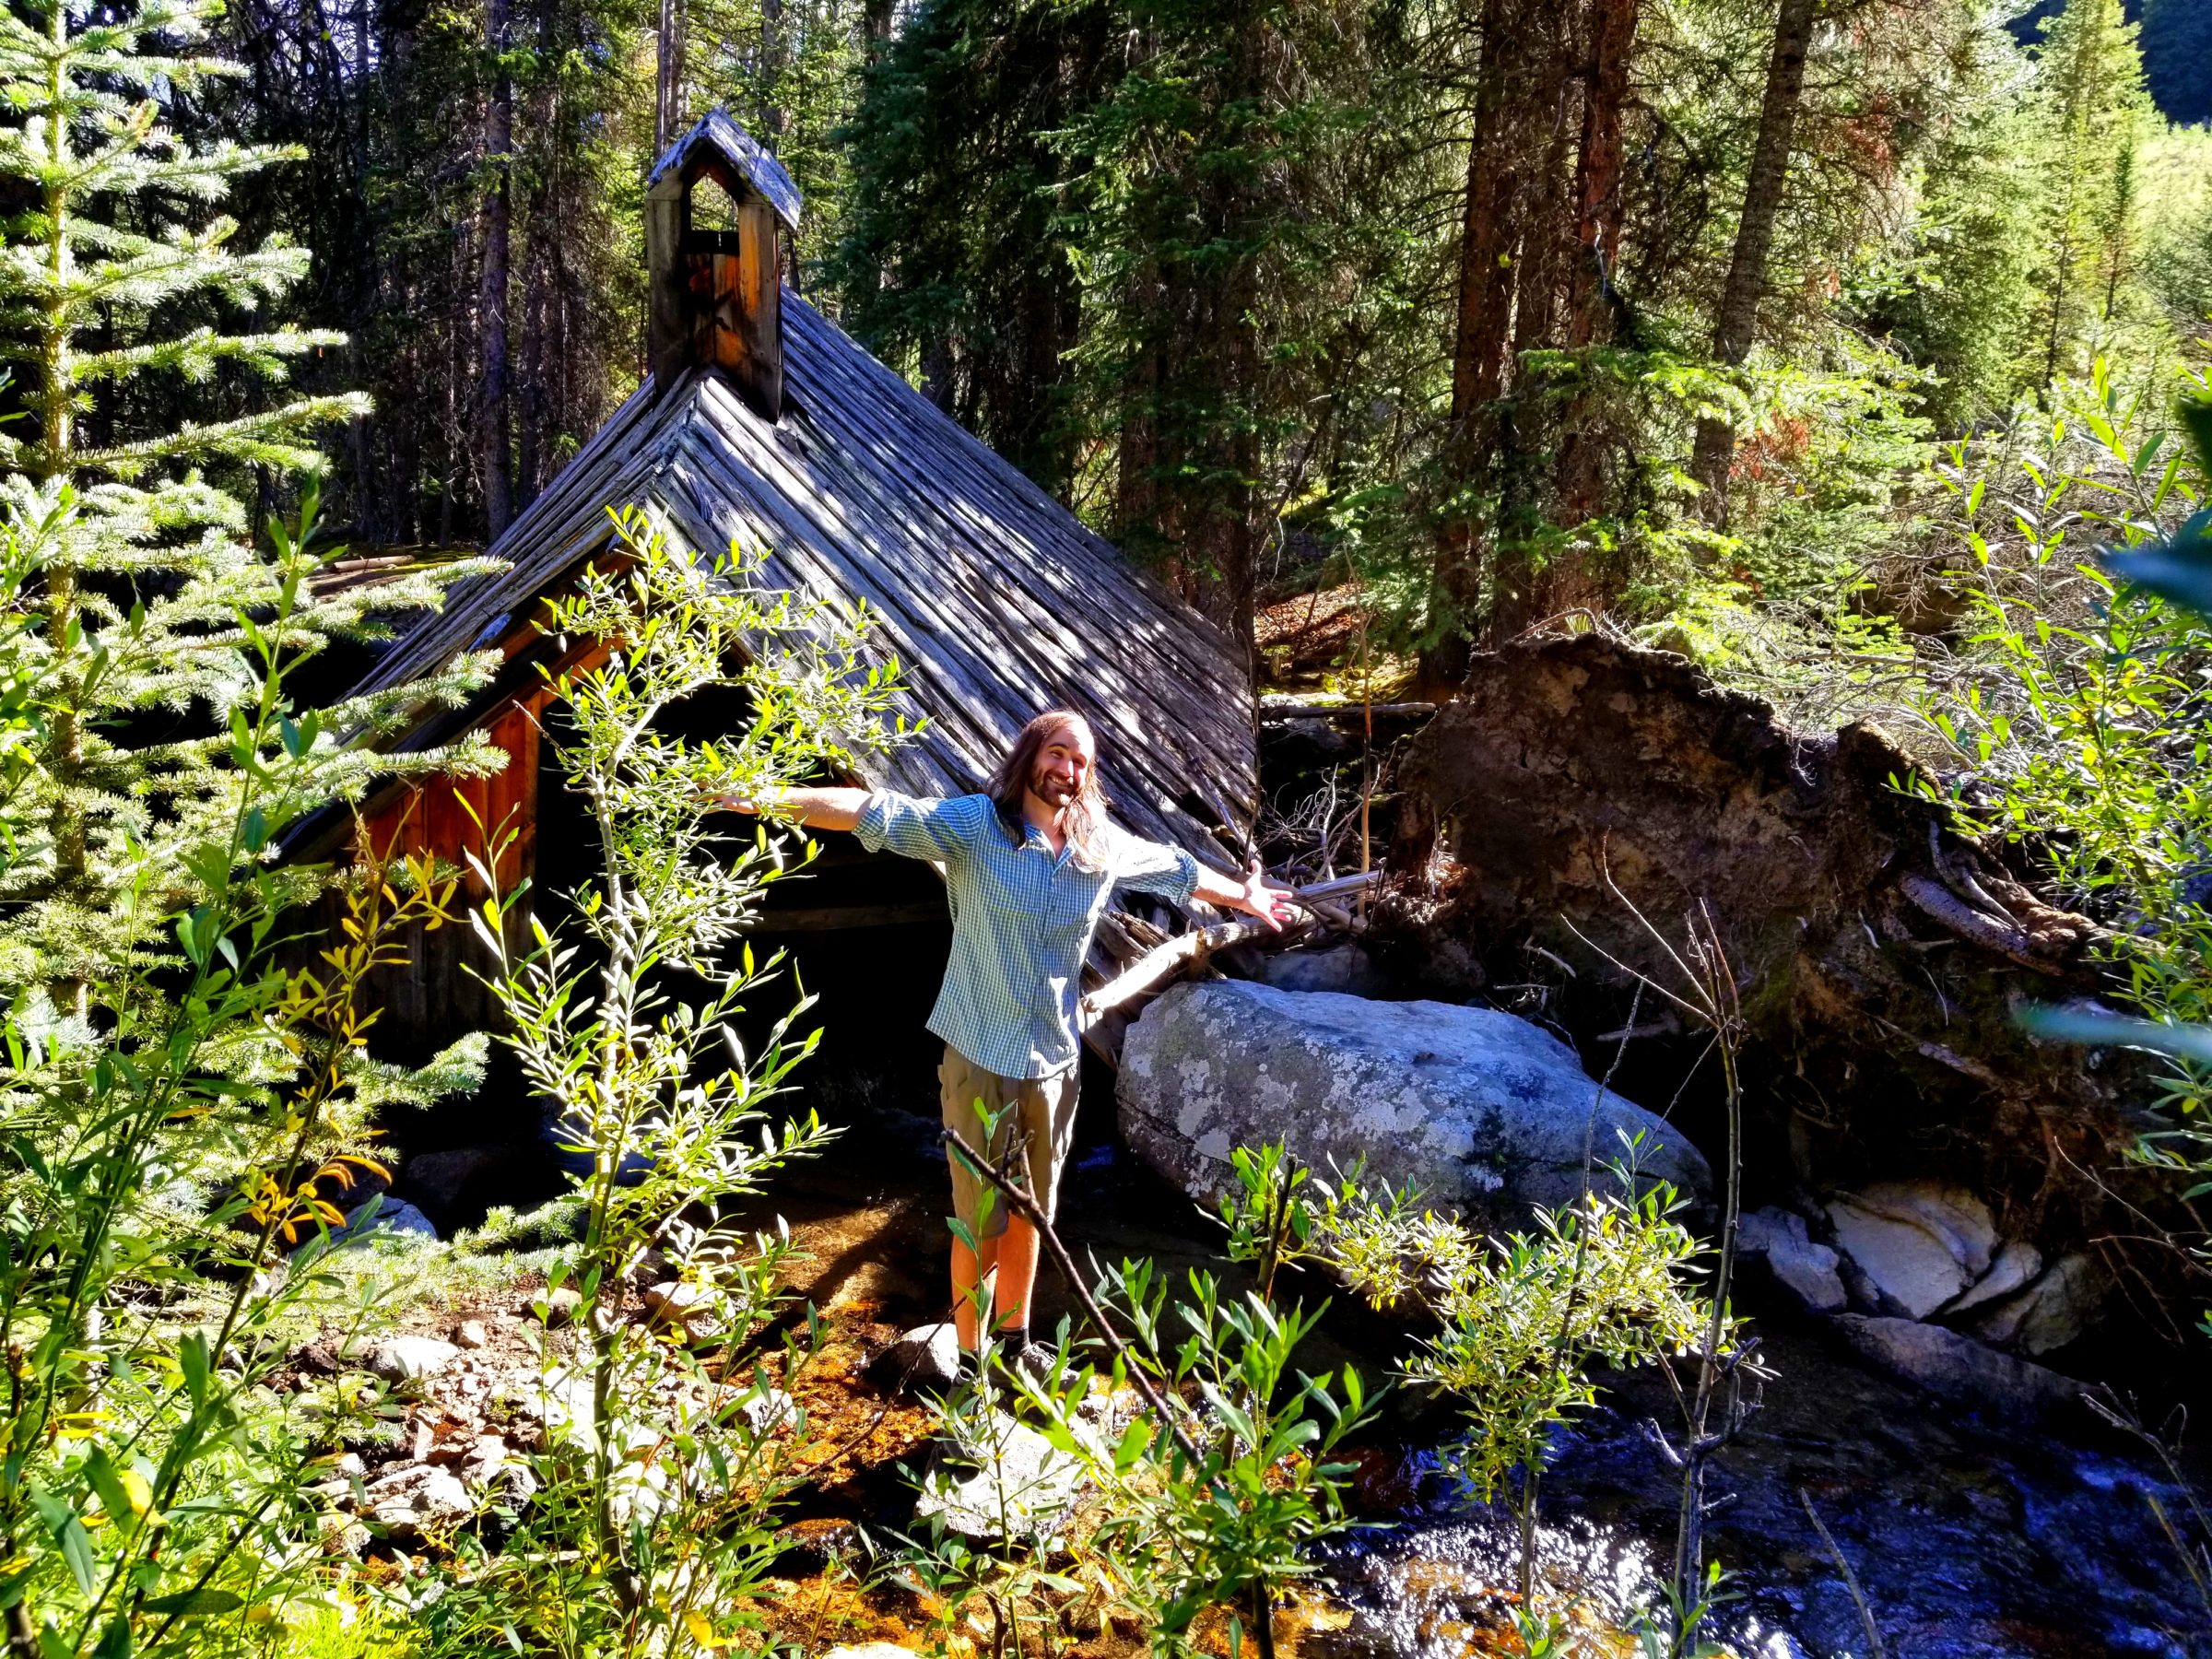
1970 1538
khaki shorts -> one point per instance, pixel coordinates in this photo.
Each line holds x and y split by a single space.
1043 1122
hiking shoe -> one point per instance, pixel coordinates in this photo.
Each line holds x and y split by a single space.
1038 1361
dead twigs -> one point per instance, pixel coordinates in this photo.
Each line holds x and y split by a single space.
1022 1205
1714 1407
1851 1580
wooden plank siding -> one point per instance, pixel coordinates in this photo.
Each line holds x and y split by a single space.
436 995
995 599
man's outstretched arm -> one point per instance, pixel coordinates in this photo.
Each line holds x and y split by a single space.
1255 895
826 808
1176 875
880 819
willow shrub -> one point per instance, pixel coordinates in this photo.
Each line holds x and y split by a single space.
651 1521
1216 1502
2077 705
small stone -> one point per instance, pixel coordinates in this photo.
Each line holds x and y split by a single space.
471 1333
416 1499
343 1536
410 1358
1018 1483
695 1309
1805 1269
335 1494
562 1306
2052 1312
2016 1262
870 1650
545 1413
926 1357
768 1412
1953 1213
492 1467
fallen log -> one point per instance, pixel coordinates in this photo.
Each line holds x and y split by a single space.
1189 951
1162 963
1341 887
1281 712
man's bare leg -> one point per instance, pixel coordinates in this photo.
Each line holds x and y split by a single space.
1017 1273
967 1273
1012 1256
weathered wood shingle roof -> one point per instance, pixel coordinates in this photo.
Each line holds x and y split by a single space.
996 598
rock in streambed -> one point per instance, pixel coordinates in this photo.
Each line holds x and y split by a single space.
1482 1111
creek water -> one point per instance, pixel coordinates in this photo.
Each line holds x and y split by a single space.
1970 1537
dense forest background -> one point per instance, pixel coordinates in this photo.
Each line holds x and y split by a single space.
1475 299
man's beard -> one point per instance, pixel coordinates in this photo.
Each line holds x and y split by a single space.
1053 792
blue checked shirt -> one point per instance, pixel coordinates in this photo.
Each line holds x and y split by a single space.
1021 921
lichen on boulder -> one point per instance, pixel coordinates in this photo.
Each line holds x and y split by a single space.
1484 1113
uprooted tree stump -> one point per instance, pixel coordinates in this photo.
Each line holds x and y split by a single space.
1881 958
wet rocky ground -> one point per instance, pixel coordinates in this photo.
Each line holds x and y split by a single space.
1968 1537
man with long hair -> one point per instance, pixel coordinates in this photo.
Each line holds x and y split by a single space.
1028 866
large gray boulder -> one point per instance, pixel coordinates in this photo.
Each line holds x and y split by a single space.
1482 1111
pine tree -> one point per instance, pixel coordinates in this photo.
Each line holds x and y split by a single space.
1975 238
955 261
140 567
2092 86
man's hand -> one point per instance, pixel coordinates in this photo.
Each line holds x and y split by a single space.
827 808
1271 902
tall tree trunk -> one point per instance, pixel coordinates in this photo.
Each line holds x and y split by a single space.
1599 170
1548 207
774 50
1591 303
1739 318
876 26
668 77
491 293
1489 250
1488 232
541 241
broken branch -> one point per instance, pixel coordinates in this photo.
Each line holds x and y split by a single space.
1026 1207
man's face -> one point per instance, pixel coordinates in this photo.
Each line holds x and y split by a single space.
1062 766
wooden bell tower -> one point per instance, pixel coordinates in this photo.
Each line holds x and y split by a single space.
714 294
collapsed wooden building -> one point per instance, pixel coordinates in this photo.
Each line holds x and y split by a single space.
761 422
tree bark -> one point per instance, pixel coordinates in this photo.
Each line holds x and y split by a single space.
1489 243
1489 231
491 293
1738 317
668 75
774 50
1599 170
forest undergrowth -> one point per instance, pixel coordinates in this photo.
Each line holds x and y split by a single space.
1877 387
